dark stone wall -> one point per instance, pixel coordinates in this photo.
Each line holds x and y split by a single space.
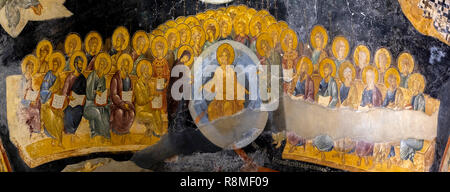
373 23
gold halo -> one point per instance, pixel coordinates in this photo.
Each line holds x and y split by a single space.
274 28
33 60
212 21
263 37
61 57
162 27
199 29
157 32
263 12
183 27
192 21
405 55
139 67
420 78
239 19
283 35
171 23
394 72
90 35
108 61
42 43
200 17
72 60
301 61
177 37
163 40
180 19
232 11
269 19
343 66
318 29
388 56
255 20
356 54
322 64
227 19
336 40
136 35
69 37
190 50
367 68
230 50
250 13
283 25
125 56
124 31
242 8
210 13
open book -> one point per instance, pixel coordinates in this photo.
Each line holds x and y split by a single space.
160 84
101 100
31 95
58 101
127 96
157 102
324 101
78 99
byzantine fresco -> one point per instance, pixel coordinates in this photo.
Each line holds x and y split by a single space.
348 107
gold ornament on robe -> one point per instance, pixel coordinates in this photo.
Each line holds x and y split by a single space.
121 32
410 60
318 32
225 103
358 49
339 42
90 37
354 94
138 46
173 38
185 33
190 50
71 40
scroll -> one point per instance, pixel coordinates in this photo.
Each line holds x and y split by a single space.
324 101
101 100
31 95
160 84
58 101
127 96
78 99
157 102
